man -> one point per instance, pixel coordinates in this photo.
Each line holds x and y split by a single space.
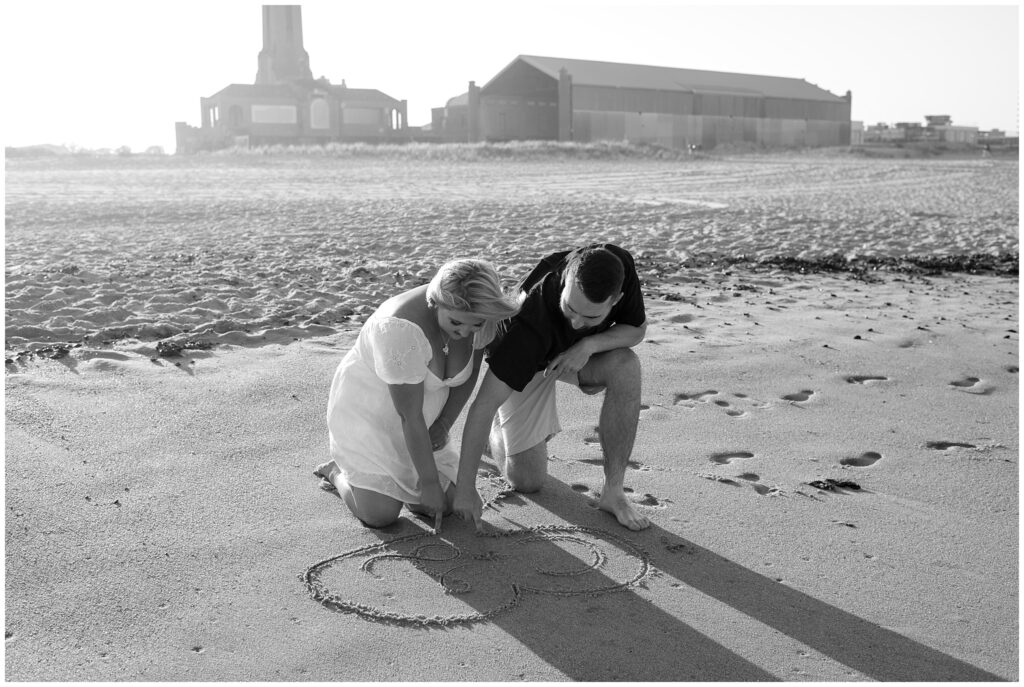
582 312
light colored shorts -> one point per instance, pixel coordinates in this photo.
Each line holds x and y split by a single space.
530 417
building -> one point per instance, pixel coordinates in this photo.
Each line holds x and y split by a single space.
940 128
286 105
548 98
937 129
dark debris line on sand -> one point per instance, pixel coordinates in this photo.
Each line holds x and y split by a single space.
1002 264
1005 264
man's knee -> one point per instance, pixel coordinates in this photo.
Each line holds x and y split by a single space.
527 471
614 368
525 482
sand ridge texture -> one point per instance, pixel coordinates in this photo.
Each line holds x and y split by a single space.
829 461
247 250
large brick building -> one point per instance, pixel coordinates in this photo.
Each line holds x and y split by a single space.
548 98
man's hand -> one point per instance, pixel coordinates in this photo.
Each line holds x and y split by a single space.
570 361
468 504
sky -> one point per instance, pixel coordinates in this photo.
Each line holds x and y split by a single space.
112 73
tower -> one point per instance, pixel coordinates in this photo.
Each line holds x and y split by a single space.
282 58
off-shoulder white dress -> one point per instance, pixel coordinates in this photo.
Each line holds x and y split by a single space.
366 435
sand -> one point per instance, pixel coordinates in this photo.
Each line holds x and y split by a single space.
829 460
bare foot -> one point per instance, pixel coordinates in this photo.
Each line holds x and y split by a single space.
326 473
615 502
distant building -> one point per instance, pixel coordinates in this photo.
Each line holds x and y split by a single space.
856 133
286 105
547 98
938 129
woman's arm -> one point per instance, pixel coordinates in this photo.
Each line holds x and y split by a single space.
408 402
457 398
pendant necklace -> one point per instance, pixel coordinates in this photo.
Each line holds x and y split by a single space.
444 349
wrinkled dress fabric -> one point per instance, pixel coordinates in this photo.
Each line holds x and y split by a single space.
367 441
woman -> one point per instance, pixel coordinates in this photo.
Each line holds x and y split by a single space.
397 393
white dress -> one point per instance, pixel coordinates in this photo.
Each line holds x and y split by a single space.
366 435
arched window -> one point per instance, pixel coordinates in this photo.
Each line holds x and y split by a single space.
319 114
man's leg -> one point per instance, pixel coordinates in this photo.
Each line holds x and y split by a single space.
618 371
520 432
526 470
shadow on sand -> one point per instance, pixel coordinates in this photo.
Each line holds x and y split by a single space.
864 646
623 636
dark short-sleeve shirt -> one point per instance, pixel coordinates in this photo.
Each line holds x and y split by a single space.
539 333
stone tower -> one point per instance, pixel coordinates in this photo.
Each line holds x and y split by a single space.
282 58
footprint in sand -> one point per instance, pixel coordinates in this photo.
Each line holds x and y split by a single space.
946 445
970 385
762 489
863 460
635 465
580 487
686 399
651 501
729 410
864 379
799 397
728 457
765 490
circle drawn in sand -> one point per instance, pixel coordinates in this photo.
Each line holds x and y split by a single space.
476 579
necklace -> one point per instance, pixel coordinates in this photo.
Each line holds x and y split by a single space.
444 349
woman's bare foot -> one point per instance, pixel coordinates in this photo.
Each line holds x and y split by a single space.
326 473
615 502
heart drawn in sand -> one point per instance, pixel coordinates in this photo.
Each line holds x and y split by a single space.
423 580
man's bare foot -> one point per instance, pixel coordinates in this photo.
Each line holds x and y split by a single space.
615 502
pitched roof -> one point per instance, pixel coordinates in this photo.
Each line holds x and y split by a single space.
620 75
296 88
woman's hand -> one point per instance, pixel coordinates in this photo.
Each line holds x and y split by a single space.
468 504
439 434
432 498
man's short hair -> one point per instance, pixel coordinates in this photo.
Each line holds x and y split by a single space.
597 271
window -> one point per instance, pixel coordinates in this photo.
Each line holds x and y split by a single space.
319 114
274 114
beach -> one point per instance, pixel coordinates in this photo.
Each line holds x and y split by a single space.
827 449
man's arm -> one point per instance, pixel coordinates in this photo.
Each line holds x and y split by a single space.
578 355
493 392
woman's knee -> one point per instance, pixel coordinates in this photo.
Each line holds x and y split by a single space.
376 519
373 509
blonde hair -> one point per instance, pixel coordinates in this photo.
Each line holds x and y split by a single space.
473 286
